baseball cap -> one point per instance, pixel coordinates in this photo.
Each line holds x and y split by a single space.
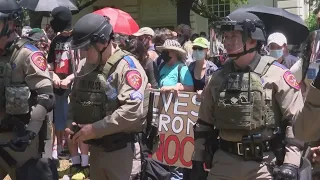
277 38
144 31
201 42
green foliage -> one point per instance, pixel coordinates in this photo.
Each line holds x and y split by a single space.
311 22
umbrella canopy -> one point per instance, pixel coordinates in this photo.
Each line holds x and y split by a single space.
121 21
280 20
47 5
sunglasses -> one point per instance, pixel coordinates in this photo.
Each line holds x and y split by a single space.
197 48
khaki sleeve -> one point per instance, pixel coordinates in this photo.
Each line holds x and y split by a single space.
37 73
290 101
207 104
132 83
37 78
307 121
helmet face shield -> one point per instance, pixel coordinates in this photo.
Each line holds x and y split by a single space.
81 63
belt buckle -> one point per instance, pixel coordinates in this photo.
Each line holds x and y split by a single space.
240 148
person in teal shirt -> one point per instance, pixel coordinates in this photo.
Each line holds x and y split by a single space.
174 74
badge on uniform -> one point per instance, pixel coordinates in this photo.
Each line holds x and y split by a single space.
136 95
291 80
134 79
38 60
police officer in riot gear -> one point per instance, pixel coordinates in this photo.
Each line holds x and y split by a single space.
26 94
107 98
254 101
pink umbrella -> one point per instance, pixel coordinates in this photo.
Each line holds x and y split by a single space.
121 21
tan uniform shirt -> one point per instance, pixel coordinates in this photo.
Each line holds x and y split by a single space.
30 66
287 102
131 84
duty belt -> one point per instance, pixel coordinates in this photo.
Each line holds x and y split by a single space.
251 148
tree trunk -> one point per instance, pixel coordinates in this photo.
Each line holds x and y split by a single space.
183 11
35 19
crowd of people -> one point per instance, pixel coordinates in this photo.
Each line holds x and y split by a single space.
95 81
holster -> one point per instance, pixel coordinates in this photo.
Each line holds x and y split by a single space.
44 134
278 147
113 142
211 146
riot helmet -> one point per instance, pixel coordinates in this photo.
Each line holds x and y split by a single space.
248 24
10 11
87 33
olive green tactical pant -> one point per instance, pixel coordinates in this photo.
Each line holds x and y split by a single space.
226 166
20 157
116 165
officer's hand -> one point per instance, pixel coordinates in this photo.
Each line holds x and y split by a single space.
85 133
315 154
197 171
288 172
65 84
56 81
20 144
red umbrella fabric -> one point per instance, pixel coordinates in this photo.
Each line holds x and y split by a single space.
121 21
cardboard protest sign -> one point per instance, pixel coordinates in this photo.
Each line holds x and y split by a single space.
175 116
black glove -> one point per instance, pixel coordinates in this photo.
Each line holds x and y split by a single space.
288 172
197 171
21 143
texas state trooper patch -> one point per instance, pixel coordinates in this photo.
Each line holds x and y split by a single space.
39 61
134 79
291 80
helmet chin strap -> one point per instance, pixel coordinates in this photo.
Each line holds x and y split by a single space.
238 55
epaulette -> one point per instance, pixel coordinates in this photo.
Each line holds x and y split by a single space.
31 47
280 65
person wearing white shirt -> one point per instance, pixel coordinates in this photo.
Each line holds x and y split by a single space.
278 48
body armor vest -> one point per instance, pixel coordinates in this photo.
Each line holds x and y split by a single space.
242 101
94 96
17 93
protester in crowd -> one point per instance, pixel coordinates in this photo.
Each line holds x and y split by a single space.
137 48
161 35
184 33
121 39
59 61
174 77
201 69
278 48
194 36
145 35
203 34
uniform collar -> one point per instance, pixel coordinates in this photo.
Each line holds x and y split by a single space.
252 65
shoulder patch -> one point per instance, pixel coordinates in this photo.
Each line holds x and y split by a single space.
134 79
130 62
38 60
136 95
291 80
279 65
31 47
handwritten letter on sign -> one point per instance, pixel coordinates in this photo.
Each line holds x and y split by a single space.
175 116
